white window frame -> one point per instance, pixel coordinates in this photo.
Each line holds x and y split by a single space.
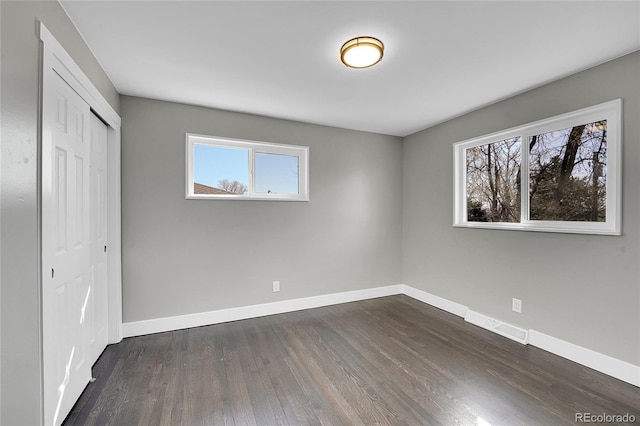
254 147
610 111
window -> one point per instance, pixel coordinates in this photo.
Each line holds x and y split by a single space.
560 174
233 169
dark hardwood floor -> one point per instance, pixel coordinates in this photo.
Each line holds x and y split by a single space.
391 360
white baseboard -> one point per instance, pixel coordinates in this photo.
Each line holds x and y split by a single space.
158 325
433 300
603 363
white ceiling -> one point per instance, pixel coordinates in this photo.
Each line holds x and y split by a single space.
281 59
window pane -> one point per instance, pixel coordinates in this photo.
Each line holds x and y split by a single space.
276 174
220 170
493 182
568 174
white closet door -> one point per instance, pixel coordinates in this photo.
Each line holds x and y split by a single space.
97 307
65 250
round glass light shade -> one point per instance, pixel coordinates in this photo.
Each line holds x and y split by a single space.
361 52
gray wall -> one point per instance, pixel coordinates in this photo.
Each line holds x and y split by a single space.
20 310
584 289
186 256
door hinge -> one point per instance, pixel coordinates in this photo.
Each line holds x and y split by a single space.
105 249
53 272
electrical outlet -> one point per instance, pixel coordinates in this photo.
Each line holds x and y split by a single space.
276 286
516 305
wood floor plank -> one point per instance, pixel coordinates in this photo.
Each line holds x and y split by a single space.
387 361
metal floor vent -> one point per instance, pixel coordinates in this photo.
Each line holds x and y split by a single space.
507 330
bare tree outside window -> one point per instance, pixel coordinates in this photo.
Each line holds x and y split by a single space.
493 182
558 174
568 174
233 187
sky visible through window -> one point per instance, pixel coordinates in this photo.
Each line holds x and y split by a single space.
213 163
274 173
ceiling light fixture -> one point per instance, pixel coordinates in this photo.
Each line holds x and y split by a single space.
361 52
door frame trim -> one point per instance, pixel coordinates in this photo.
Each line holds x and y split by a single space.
55 59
